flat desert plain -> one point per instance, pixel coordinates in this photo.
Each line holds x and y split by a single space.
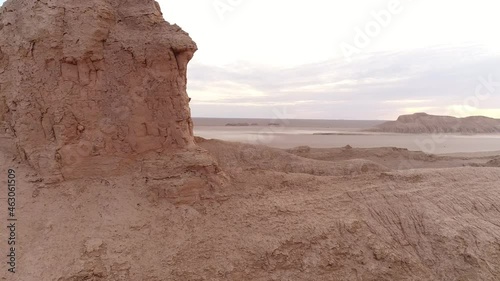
339 133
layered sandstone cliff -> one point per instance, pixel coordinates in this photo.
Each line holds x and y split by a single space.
90 87
422 123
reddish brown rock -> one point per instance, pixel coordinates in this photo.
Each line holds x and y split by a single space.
90 87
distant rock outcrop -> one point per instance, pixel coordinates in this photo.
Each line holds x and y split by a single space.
423 123
88 86
241 124
493 163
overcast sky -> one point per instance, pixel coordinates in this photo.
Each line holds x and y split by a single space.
308 59
333 59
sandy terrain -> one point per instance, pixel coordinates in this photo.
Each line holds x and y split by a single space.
112 185
302 214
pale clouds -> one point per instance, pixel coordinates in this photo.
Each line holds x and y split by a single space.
379 86
292 33
287 54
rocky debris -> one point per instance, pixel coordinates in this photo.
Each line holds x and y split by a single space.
90 87
423 123
241 156
394 158
300 149
428 224
493 162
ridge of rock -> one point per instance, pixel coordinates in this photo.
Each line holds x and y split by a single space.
92 87
423 123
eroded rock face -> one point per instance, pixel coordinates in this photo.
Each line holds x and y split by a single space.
92 83
423 123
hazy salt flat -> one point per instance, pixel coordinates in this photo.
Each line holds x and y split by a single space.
288 137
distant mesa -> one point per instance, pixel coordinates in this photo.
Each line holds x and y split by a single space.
237 124
241 124
423 123
339 134
249 124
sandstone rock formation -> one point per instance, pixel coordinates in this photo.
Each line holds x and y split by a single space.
89 87
423 123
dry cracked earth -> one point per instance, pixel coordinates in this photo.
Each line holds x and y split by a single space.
301 214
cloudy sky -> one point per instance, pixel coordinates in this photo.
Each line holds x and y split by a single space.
337 59
330 59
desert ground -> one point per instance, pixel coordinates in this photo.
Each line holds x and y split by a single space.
105 176
281 214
